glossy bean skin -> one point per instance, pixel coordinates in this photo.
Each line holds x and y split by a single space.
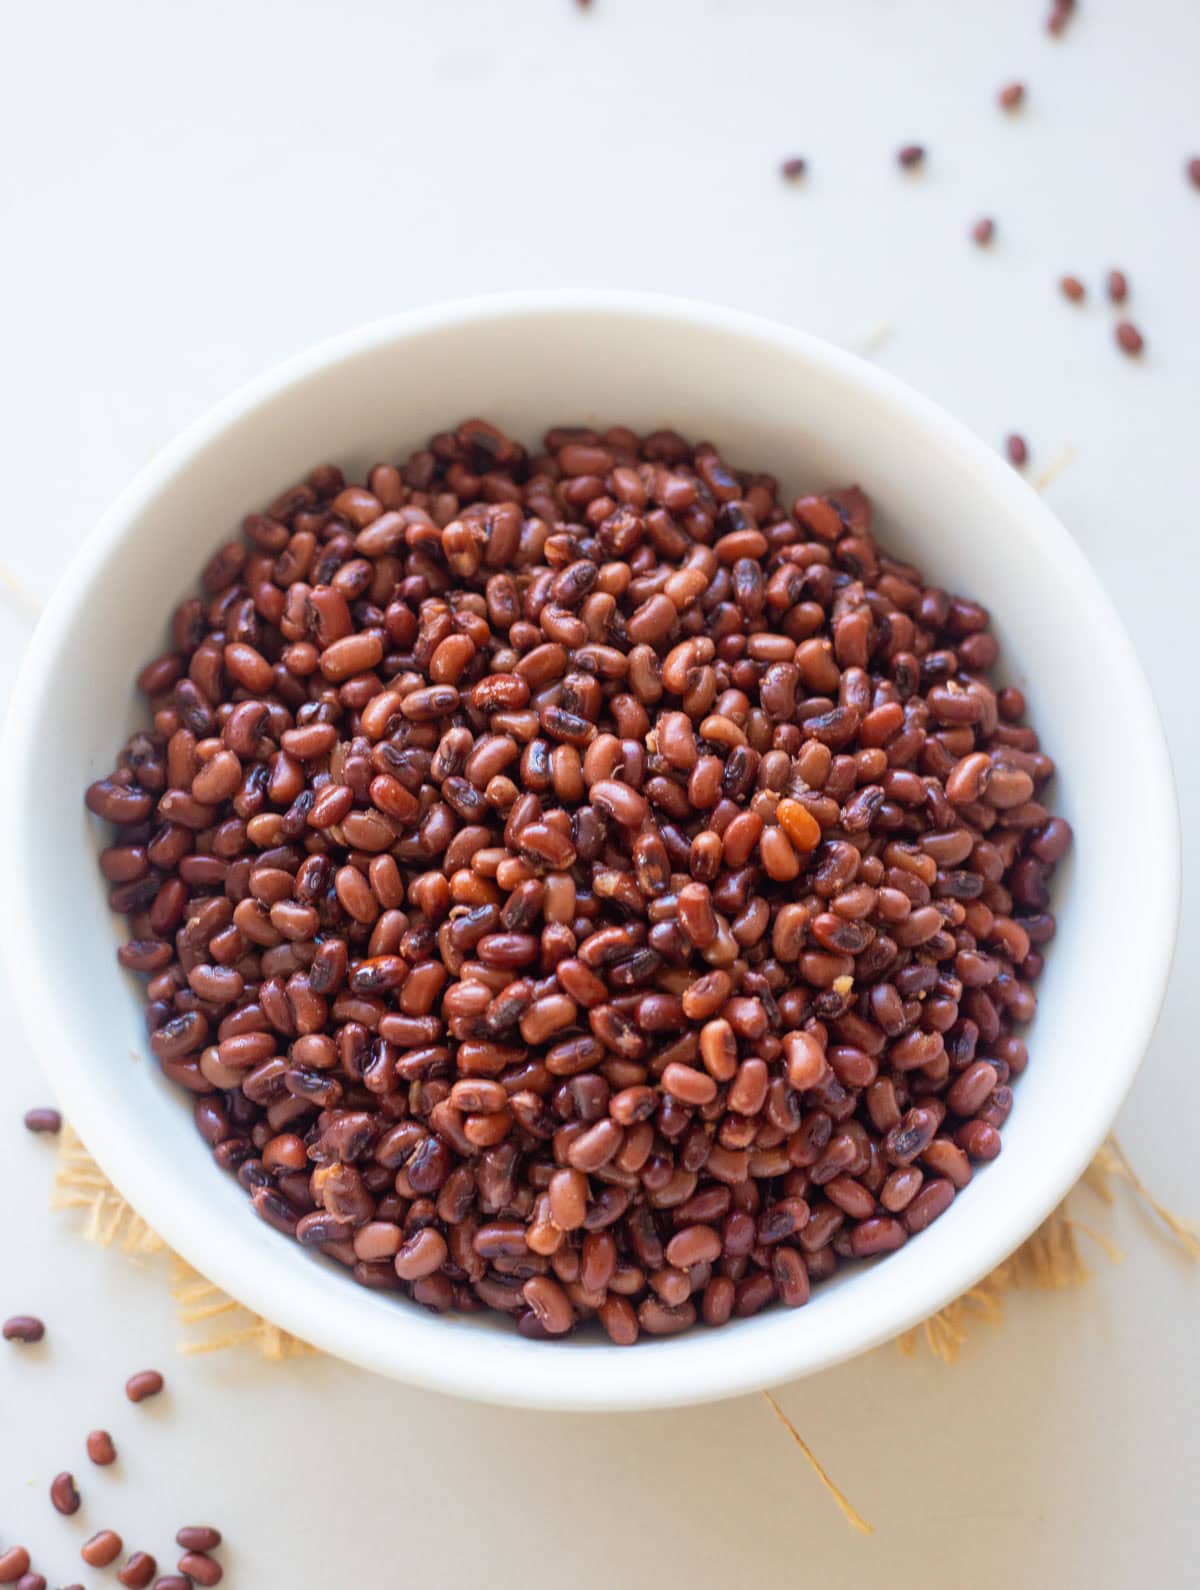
198 1537
14 1563
64 1494
146 1383
200 1568
138 1571
100 1448
101 1549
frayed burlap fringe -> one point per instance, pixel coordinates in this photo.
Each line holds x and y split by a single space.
109 1221
210 1318
214 1321
1049 1260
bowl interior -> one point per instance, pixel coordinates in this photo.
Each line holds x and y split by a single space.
772 400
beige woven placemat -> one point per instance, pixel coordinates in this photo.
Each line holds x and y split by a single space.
212 1321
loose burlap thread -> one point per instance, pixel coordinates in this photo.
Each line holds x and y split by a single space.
1050 1260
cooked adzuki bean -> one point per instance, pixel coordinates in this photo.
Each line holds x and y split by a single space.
43 1120
1129 339
138 1571
146 1383
101 1549
198 1537
572 883
1061 12
14 1564
23 1328
201 1568
64 1493
100 1448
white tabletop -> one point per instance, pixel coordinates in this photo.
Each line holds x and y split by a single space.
193 190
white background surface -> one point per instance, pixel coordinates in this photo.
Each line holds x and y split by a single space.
191 191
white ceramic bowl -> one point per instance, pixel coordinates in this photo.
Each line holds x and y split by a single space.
772 398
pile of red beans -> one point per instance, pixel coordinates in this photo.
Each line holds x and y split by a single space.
576 885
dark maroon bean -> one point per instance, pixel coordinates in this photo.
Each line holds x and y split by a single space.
1017 449
933 1200
910 155
119 803
429 1166
971 1087
550 1304
753 1292
64 1493
905 1141
661 1319
881 1234
1061 12
979 1139
146 1383
180 1036
320 1227
43 1120
198 1537
790 1276
23 1328
1051 842
274 1208
138 1571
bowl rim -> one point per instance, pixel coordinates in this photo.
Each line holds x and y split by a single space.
575 1380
